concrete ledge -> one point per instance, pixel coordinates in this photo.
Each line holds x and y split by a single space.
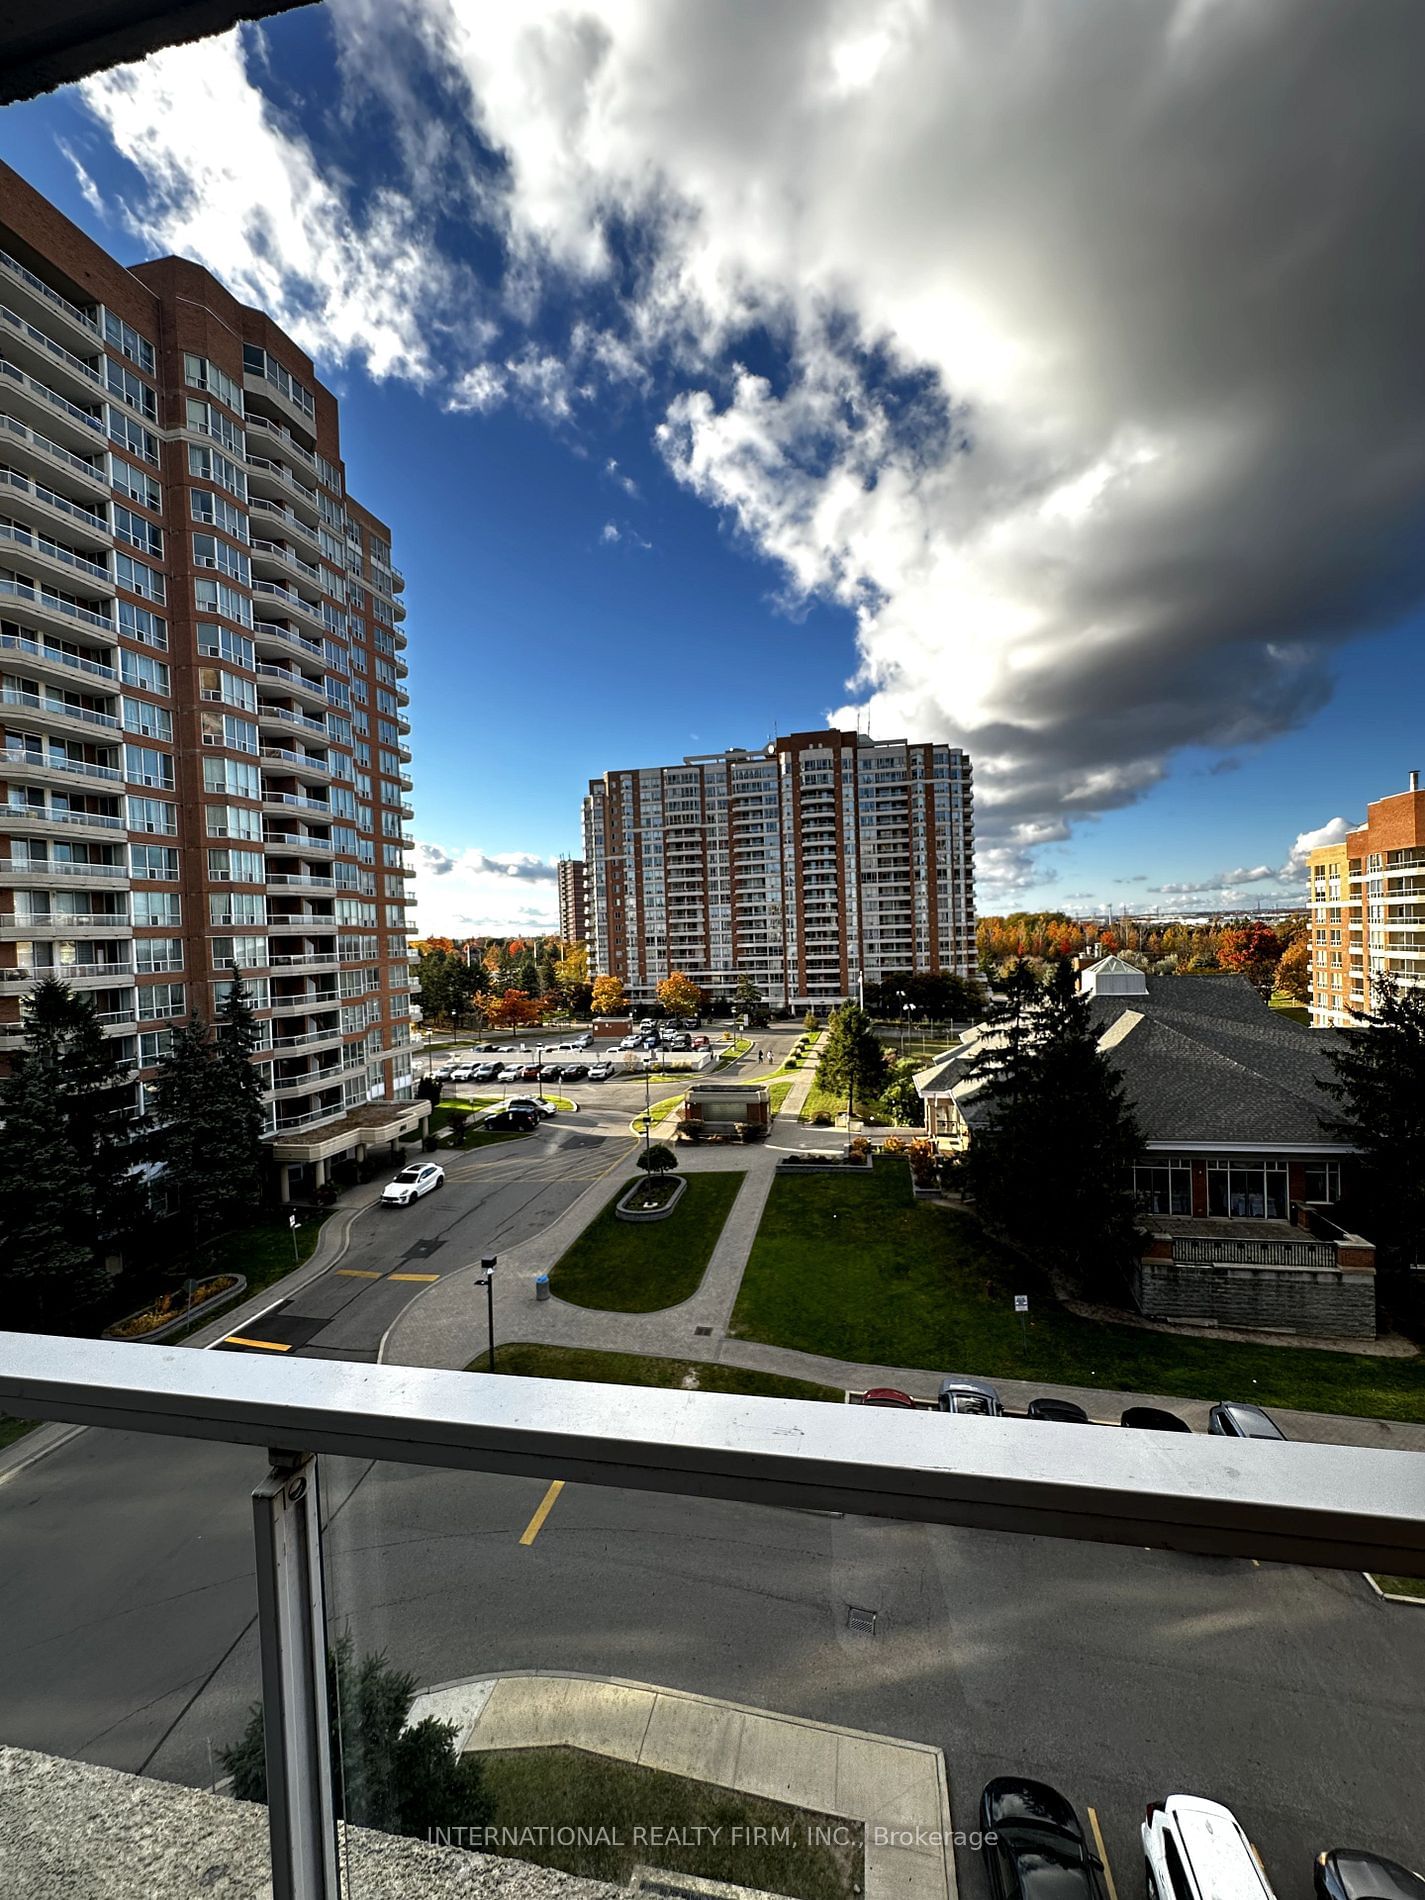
69 1831
623 1212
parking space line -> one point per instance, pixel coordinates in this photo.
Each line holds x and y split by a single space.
546 1505
413 1276
262 1345
359 1273
1102 1853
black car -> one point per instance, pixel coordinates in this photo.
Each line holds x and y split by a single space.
511 1120
553 1072
1150 1418
1062 1411
1235 1418
1350 1873
575 1071
1040 1852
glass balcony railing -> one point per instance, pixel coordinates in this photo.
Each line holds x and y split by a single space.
666 1638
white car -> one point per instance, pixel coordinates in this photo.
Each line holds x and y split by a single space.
422 1177
1198 1850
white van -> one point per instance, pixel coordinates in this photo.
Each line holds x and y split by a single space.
1197 1850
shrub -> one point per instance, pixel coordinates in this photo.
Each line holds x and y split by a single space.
821 1119
457 1122
860 1146
657 1159
809 1021
893 1145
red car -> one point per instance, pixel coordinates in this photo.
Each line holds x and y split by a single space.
888 1395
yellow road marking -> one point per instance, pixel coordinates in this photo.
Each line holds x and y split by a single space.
1102 1852
359 1273
263 1345
546 1505
412 1276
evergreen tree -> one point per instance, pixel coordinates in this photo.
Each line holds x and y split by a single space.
48 1270
240 1086
384 1775
852 1061
64 1029
195 1136
1380 1086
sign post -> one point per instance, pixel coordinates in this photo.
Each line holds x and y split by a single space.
1021 1307
293 1224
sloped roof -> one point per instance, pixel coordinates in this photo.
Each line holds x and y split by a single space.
1204 1060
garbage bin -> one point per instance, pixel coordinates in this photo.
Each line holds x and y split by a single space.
541 1287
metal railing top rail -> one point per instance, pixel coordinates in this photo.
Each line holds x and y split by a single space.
1331 1506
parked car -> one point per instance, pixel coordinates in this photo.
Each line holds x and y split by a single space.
465 1074
1064 1411
1236 1418
510 1120
556 1072
600 1071
1350 1873
575 1071
488 1048
540 1104
975 1396
1198 1850
631 1042
1040 1852
701 1042
887 1395
423 1177
1149 1418
526 1072
486 1072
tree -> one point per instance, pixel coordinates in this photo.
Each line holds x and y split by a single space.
208 1121
852 1062
1293 975
384 1775
512 1010
658 1158
810 1021
1379 1083
1253 951
609 997
96 1094
1050 1158
749 1001
240 1083
680 995
48 1270
901 1099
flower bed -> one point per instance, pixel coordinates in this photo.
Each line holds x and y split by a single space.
172 1310
840 1163
653 1199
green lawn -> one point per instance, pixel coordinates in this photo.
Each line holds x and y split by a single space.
777 1092
636 1368
856 1269
264 1251
628 1267
604 1809
13 1428
1401 1586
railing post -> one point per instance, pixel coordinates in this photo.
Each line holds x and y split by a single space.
291 1624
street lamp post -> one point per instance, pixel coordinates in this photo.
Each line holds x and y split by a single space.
489 1263
648 1062
907 1011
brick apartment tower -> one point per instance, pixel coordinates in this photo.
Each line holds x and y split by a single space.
573 901
823 861
1368 909
206 751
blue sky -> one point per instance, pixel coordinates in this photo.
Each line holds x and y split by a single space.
714 385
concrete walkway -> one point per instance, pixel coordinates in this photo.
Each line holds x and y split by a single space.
898 1791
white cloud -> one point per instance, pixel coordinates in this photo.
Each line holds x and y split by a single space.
1334 831
475 893
616 474
610 532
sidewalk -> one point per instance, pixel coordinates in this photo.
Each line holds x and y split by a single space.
897 1790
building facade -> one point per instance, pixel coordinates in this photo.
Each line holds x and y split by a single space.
573 901
206 754
824 861
1368 909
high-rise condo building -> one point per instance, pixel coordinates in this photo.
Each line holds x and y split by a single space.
206 751
573 901
1368 909
821 862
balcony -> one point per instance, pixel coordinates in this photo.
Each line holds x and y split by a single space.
297 764
272 514
51 458
289 681
304 1005
291 601
86 972
45 408
45 658
268 478
35 603
300 881
82 824
35 350
44 506
43 710
293 844
18 762
48 305
294 801
269 555
308 1083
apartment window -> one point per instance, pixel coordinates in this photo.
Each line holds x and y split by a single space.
256 362
223 644
219 513
132 435
128 342
225 729
390 763
234 821
228 688
162 908
157 953
154 1045
134 482
199 373
387 733
1254 1191
246 952
392 856
208 420
210 466
152 814
1321 1181
215 597
149 721
141 669
210 550
144 581
235 867
157 1000
130 389
236 907
329 472
234 776
139 624
153 860
144 766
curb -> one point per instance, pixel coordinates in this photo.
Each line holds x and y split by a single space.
1393 1596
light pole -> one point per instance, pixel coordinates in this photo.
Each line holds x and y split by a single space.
488 1263
907 1011
648 1062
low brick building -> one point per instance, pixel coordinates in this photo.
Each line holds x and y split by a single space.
1239 1170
